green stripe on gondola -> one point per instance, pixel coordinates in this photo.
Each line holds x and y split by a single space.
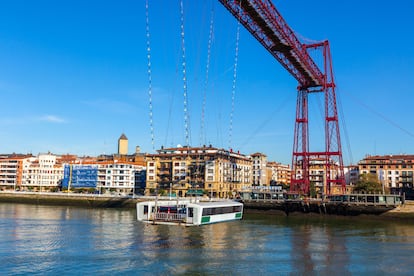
205 219
238 215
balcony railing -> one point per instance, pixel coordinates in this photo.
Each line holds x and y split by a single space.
169 216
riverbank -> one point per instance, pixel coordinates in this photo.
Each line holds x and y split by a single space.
405 211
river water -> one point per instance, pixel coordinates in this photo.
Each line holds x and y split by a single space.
50 240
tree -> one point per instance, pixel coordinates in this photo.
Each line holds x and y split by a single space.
368 183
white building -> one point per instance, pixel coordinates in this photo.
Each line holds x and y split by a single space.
41 173
118 177
259 169
11 171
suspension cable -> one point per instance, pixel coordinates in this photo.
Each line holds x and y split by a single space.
186 116
151 121
210 41
233 91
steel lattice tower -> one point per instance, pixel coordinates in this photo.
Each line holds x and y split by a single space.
266 24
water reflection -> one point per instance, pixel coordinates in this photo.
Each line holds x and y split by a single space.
319 248
69 240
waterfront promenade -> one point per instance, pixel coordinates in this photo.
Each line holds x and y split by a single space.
71 199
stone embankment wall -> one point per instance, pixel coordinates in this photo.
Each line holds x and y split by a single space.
97 201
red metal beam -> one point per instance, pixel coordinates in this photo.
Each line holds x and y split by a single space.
265 23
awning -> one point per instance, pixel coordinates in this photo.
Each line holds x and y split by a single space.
194 193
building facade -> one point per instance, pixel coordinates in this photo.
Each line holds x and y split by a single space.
279 173
188 171
43 173
260 174
351 175
317 177
393 171
80 176
11 171
122 178
106 174
123 145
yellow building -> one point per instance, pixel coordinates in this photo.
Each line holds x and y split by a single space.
123 145
279 173
318 175
198 170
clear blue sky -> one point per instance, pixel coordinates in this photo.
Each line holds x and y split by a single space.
73 77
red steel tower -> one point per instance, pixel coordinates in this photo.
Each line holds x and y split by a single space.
265 23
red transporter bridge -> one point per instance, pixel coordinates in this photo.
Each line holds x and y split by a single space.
265 23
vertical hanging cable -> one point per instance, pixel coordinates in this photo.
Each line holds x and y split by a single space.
233 92
210 40
186 117
149 74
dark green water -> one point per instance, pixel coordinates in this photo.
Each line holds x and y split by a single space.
46 240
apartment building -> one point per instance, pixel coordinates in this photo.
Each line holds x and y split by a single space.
278 173
189 171
116 174
351 175
317 177
42 173
393 171
11 167
260 175
123 177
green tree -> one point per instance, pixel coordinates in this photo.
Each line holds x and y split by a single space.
312 190
368 183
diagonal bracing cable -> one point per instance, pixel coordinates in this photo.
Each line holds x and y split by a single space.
151 120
